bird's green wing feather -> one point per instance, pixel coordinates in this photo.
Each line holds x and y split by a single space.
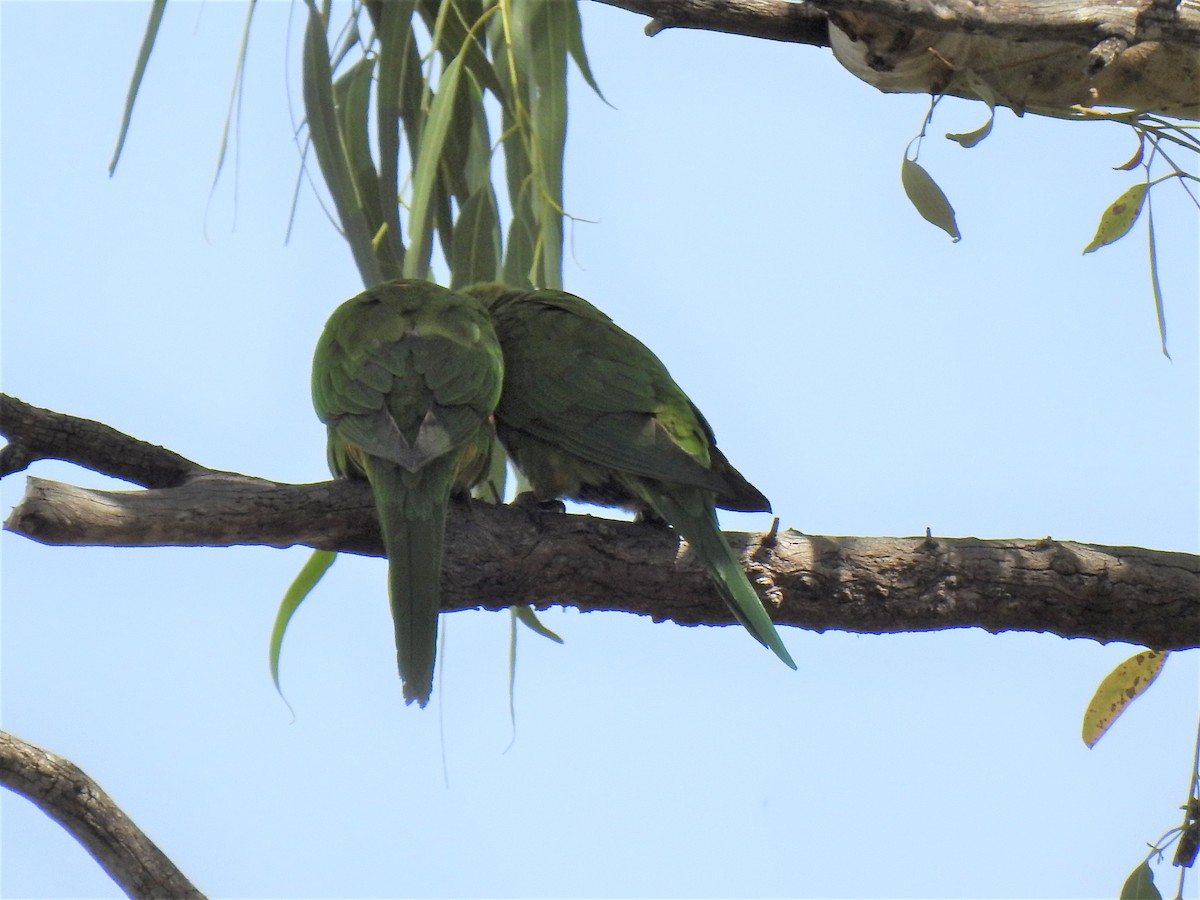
580 382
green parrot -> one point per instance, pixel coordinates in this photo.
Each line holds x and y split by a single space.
589 413
406 376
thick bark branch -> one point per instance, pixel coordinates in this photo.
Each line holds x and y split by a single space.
68 796
1045 56
1087 24
773 20
501 556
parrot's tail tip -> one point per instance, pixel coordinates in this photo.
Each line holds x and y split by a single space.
411 696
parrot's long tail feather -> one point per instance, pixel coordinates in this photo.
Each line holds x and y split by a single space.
704 535
414 529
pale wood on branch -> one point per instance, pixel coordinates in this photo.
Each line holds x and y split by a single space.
499 556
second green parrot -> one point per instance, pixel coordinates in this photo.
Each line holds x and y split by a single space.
406 376
589 413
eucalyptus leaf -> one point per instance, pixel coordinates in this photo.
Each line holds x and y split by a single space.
971 138
324 131
157 8
1119 217
1120 687
1140 884
528 617
928 198
310 574
425 171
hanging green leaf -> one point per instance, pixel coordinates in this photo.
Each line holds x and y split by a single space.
397 100
312 572
325 134
157 8
527 616
235 99
574 29
1118 689
928 198
425 171
351 99
1140 884
1155 287
476 251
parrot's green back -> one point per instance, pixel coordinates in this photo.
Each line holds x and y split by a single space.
406 376
589 413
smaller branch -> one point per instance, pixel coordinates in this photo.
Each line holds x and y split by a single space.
772 20
1033 20
34 433
60 789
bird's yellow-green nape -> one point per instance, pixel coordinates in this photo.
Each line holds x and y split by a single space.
406 376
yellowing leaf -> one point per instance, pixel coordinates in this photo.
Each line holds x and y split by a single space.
1119 217
928 198
1136 159
1118 689
971 138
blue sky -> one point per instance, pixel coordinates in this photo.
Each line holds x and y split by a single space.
746 222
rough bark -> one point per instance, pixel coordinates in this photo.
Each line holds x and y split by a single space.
68 796
1044 56
501 556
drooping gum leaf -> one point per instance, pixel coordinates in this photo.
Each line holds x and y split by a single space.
1154 283
1136 159
476 251
551 27
1119 217
351 98
928 198
971 138
1140 884
235 98
397 99
1118 689
575 46
433 137
311 573
326 139
527 617
139 70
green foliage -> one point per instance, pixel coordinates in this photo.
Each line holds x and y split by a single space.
422 80
316 567
1140 884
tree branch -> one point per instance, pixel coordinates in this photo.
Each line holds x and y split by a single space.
1086 24
498 556
61 790
1044 56
773 20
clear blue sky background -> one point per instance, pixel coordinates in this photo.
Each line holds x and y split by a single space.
869 375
